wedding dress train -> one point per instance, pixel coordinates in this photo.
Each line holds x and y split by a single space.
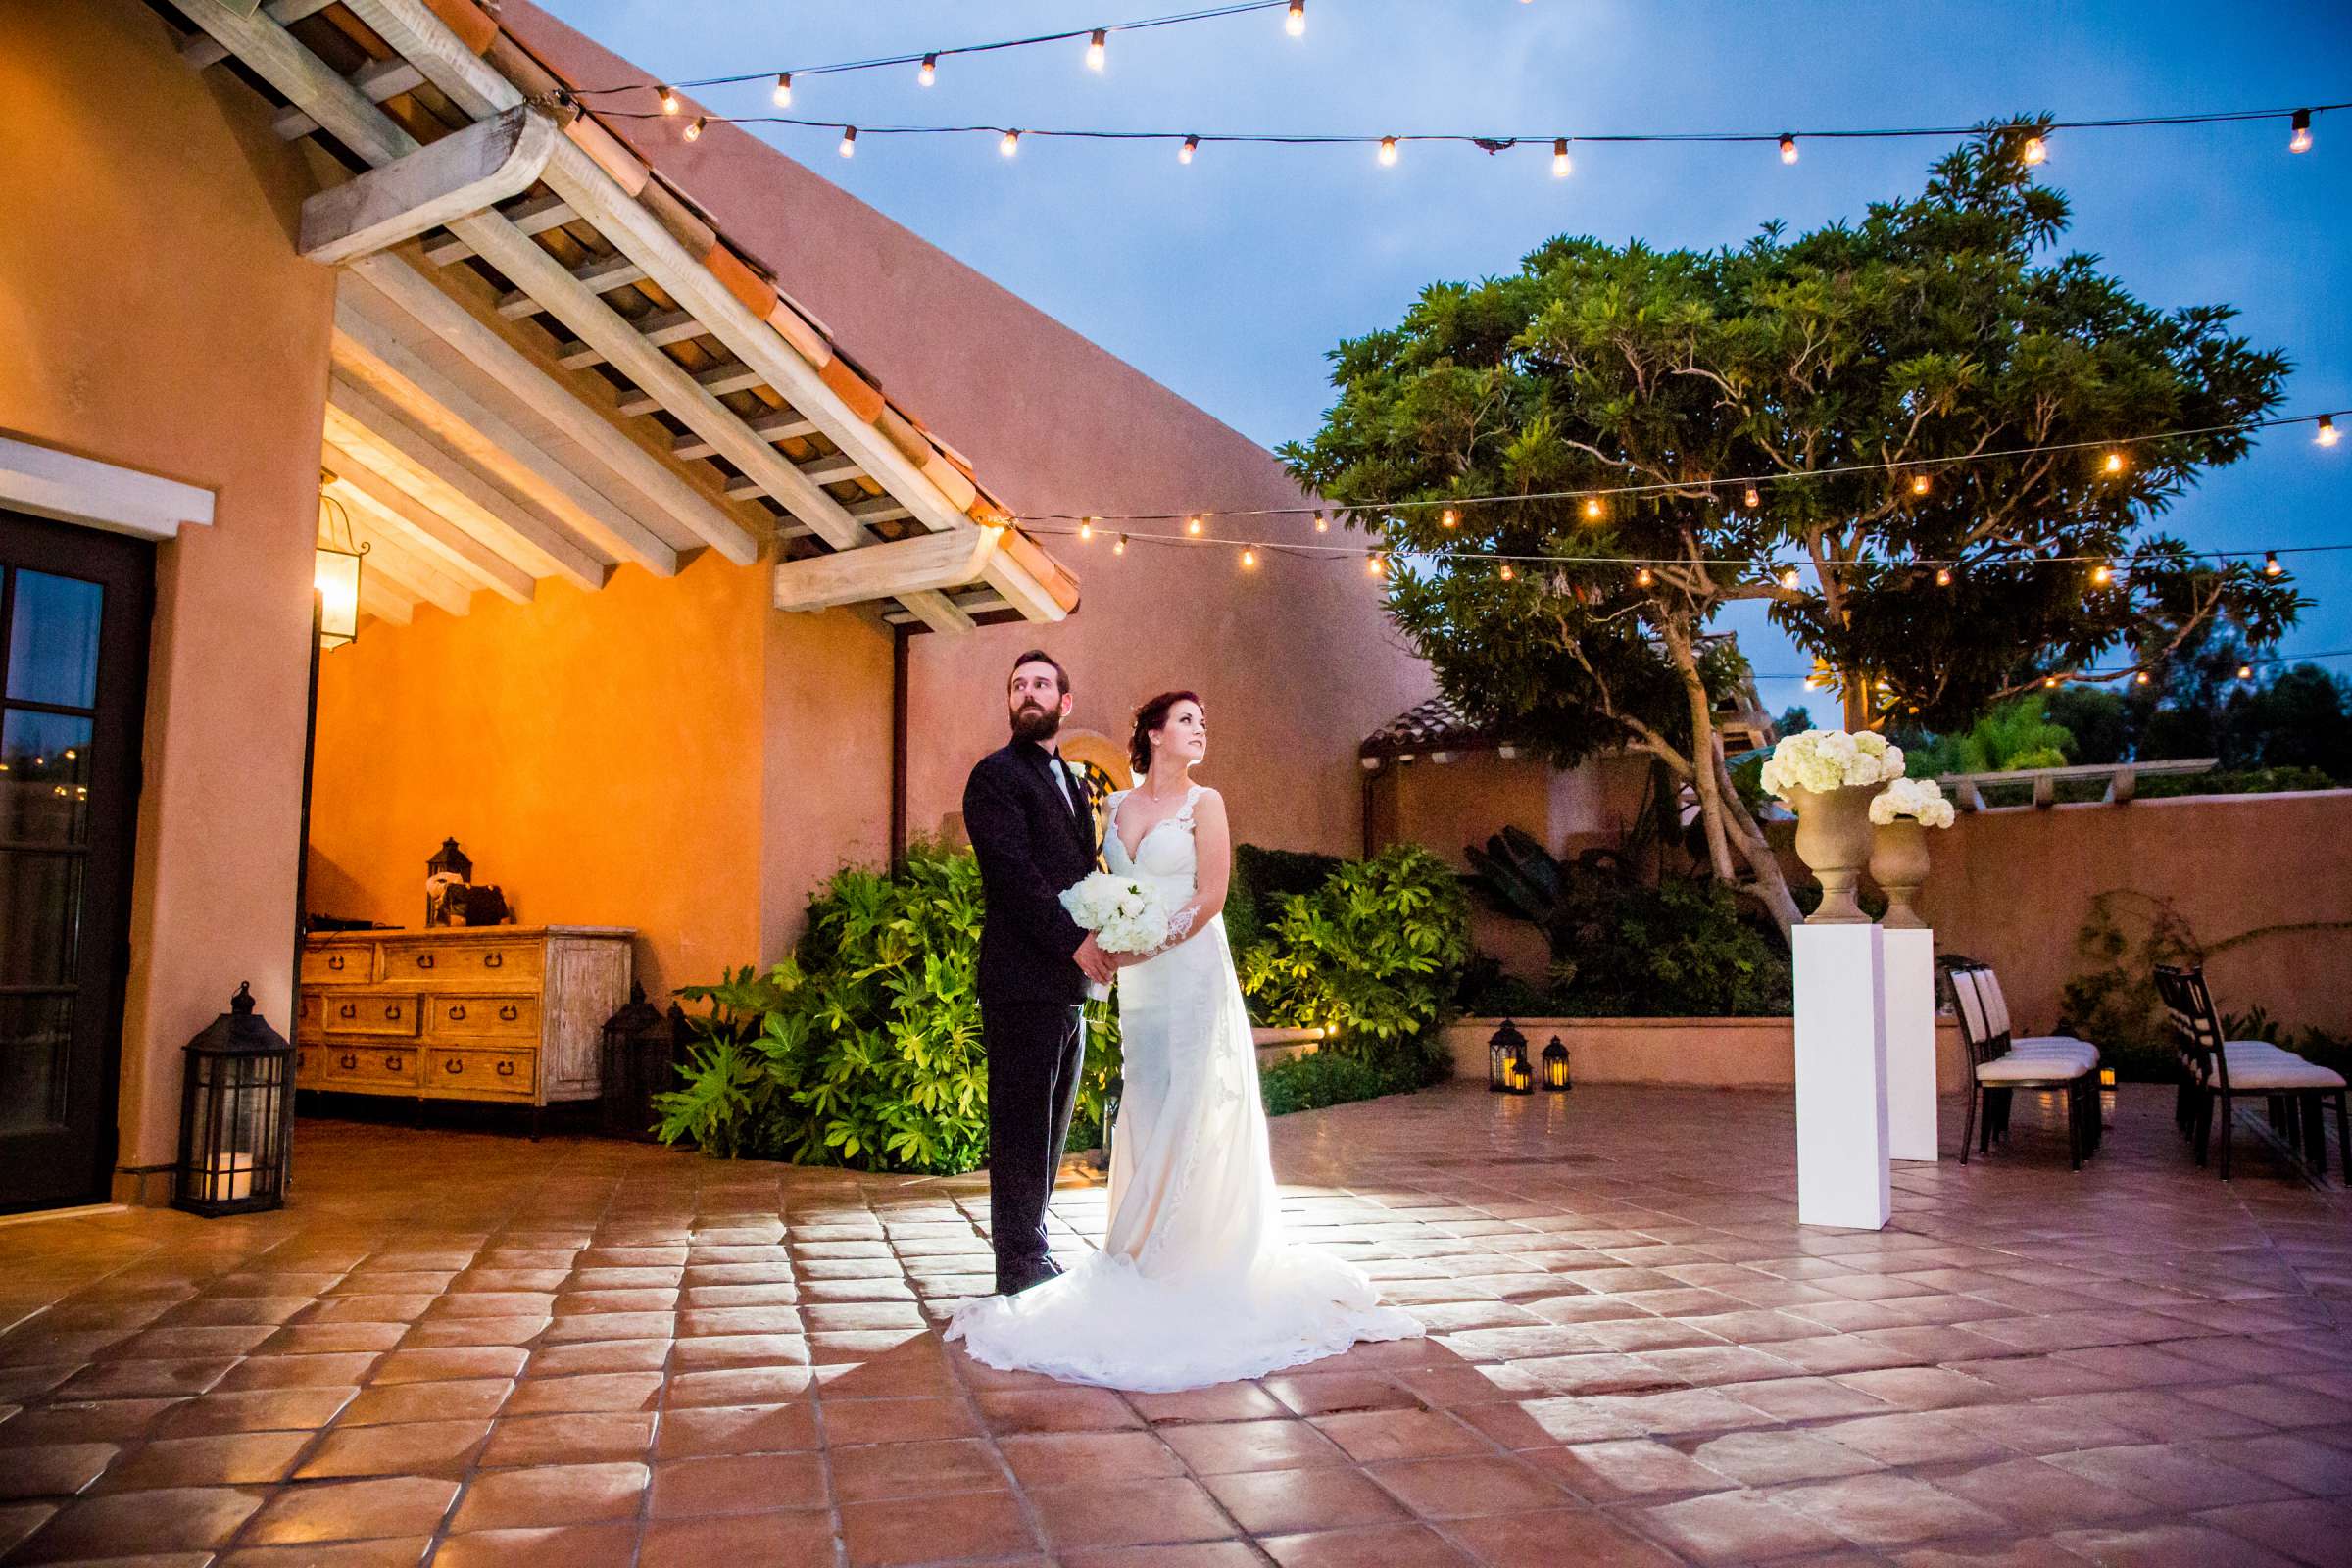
1195 1283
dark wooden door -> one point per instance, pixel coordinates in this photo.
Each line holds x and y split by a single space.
73 613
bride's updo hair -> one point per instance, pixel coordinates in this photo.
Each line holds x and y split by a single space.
1149 717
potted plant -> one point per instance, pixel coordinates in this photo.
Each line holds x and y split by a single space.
1828 777
1900 815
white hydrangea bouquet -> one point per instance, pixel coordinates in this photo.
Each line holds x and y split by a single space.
1124 915
1918 798
1826 759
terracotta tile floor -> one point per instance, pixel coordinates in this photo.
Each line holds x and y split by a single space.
476 1350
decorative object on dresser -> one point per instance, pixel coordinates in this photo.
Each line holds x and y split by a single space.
509 1015
451 899
235 1115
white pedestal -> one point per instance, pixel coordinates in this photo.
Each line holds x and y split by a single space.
1910 969
1841 1175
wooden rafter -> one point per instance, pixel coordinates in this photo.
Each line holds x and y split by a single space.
462 173
364 490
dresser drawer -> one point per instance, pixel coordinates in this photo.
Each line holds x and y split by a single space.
309 1064
483 1072
368 1064
345 964
441 961
512 1018
370 1012
309 1015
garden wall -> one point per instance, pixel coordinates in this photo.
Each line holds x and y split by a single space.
1675 1052
2014 886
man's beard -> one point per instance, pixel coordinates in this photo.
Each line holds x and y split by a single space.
1035 724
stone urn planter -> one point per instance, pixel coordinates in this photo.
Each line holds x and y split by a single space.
1833 839
1899 864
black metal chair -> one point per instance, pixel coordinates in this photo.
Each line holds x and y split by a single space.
2218 1071
1998 1068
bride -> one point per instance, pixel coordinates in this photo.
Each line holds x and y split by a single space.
1195 1283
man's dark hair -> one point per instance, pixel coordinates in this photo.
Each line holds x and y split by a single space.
1038 656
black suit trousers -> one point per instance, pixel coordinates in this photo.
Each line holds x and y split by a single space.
1035 1052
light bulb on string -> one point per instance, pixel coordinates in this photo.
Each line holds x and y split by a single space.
2101 575
1645 577
694 132
2032 150
1086 527
1920 485
1118 546
2270 564
849 141
1387 151
2113 463
1095 44
1787 149
2326 434
1790 579
1191 525
2049 682
1507 573
1322 524
2142 678
1294 23
1372 565
1594 509
1250 555
669 99
1449 517
2245 672
1011 144
1560 158
1191 145
1944 576
928 71
783 93
1751 498
2299 141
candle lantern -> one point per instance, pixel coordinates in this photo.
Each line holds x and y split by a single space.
335 570
1556 1066
235 1115
640 1046
2106 1077
448 868
1519 1077
1504 1045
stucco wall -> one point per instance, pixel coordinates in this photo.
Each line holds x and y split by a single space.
641 756
156 315
1295 661
2013 887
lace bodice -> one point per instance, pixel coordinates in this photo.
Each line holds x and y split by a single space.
1165 854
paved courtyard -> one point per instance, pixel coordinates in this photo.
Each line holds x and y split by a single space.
472 1348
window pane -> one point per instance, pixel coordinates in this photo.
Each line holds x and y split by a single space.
44 777
35 1033
53 640
40 917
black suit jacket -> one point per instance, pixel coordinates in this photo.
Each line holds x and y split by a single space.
1031 846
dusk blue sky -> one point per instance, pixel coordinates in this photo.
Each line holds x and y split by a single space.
1228 280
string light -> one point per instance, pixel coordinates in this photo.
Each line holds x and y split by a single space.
1751 498
928 71
849 141
2114 463
1119 546
1790 579
1944 576
1787 148
694 132
2142 678
1387 150
2034 150
1594 508
1296 22
1011 144
1507 573
2270 564
1322 524
1250 555
1191 145
1095 45
2102 574
669 100
2326 435
2299 141
1191 525
2245 672
1645 577
1373 564
1920 484
1560 158
783 92
1449 517
2049 682
1086 529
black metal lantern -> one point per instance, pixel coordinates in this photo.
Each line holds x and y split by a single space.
1504 1046
1556 1066
237 1122
640 1056
452 859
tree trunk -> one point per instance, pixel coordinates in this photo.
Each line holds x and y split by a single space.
1772 884
1704 778
1855 696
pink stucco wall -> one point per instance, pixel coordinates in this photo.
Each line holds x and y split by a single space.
2013 887
1295 661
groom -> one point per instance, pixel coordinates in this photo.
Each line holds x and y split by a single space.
1032 825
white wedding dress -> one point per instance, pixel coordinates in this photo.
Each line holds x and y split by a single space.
1195 1282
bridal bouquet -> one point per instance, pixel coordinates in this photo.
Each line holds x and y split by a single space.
1124 915
1825 759
1918 798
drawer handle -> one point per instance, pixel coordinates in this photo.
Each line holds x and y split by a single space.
335 960
347 1061
510 1012
391 1064
424 960
457 1013
506 1069
391 1012
350 1009
452 1064
494 961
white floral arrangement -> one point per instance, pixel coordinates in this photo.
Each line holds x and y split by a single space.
1920 799
1826 759
1124 915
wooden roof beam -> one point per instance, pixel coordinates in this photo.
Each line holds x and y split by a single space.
392 556
533 214
363 489
925 564
782 426
602 276
377 82
462 173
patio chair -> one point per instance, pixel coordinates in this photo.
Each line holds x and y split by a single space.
1999 1066
2221 1070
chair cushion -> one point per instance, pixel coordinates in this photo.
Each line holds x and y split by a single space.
2286 1072
2021 1041
2014 1068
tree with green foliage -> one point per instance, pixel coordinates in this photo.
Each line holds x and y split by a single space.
1676 431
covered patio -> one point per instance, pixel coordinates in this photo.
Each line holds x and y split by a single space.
473 1349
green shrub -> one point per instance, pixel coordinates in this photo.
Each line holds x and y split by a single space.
1679 949
1376 950
1261 880
1351 1072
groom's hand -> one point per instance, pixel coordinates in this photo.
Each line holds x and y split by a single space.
1097 964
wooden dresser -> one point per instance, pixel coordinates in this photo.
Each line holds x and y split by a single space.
505 1012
